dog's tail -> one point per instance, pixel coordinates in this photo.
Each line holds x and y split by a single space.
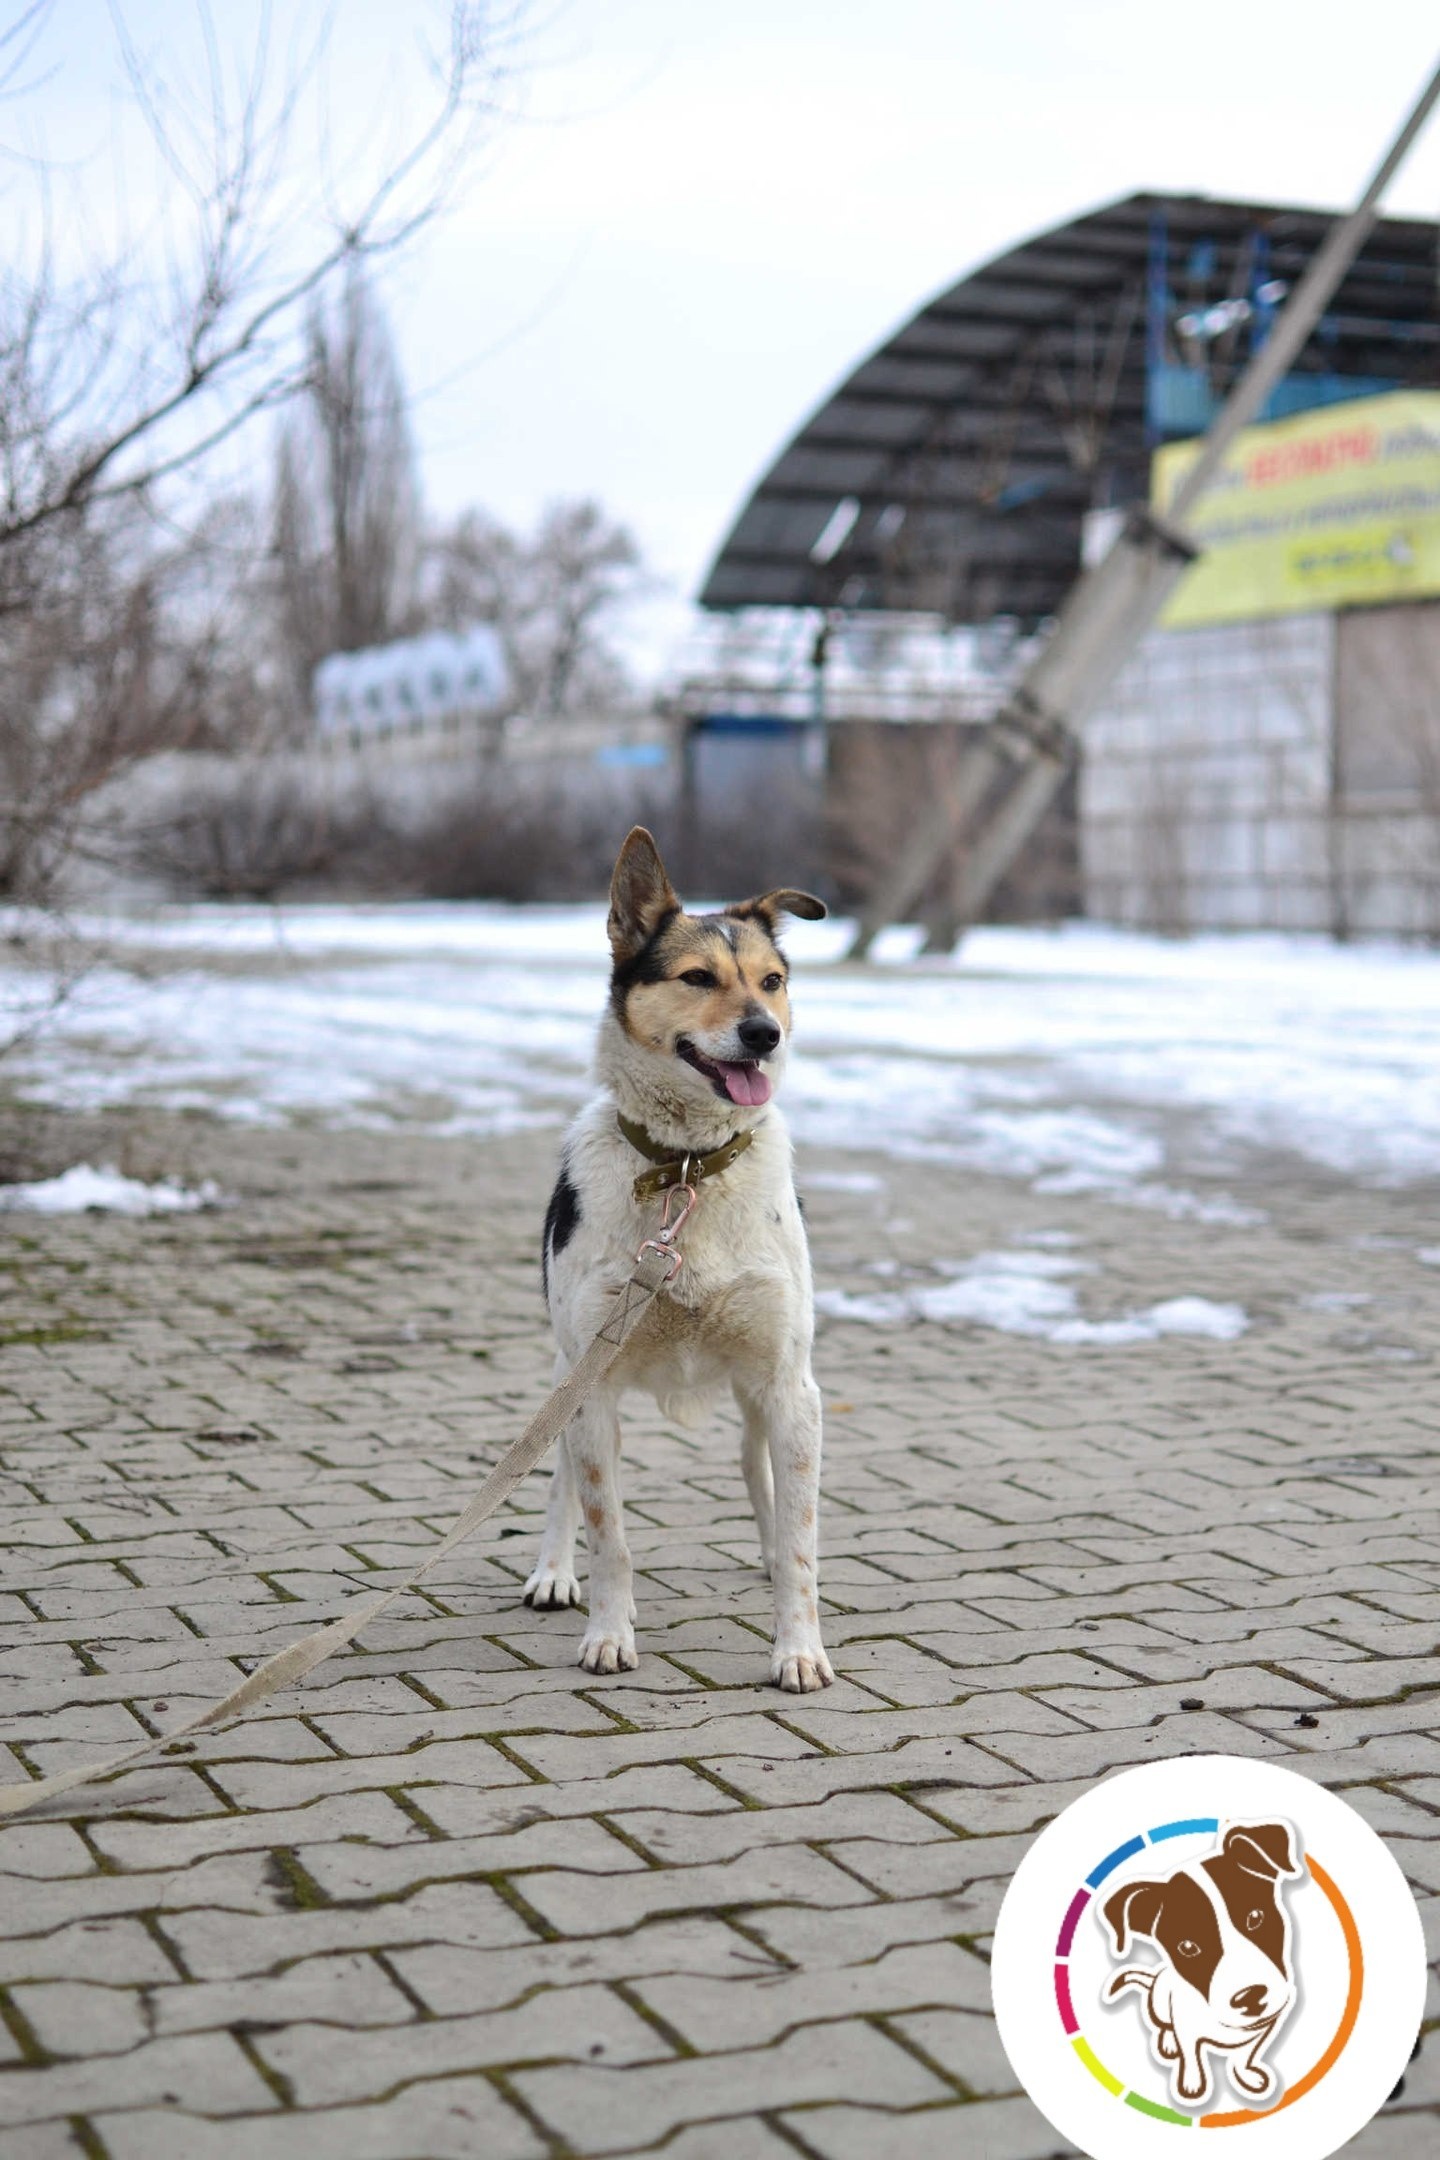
1136 1976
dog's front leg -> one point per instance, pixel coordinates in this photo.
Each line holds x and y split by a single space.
593 1442
1192 2071
759 1479
554 1581
1253 2077
789 1413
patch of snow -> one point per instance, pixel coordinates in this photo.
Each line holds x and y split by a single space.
1060 1057
843 1181
1429 1255
1198 1316
1024 1293
83 1188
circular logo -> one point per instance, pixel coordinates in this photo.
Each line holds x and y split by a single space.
1212 1944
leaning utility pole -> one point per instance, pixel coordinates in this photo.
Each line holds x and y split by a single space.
1030 745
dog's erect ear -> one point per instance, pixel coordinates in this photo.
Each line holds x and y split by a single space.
785 900
1264 1849
640 894
1134 1910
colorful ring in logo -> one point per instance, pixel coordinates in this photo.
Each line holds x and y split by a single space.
1197 1826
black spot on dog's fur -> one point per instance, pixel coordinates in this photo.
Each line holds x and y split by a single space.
561 1218
645 964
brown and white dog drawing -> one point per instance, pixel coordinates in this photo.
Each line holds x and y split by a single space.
1227 1982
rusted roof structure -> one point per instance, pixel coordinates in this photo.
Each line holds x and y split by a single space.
951 471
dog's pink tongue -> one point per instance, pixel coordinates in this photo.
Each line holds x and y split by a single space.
745 1083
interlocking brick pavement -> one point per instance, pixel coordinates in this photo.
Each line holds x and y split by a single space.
455 1897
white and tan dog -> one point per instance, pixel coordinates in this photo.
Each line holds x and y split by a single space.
690 1052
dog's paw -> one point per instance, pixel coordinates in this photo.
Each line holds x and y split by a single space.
1252 2078
800 1668
608 1650
1167 2044
551 1587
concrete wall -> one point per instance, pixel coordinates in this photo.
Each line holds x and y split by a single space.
1272 775
1387 769
1206 781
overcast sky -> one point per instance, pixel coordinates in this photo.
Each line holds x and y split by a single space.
700 216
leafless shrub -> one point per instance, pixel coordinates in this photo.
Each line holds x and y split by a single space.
536 837
252 829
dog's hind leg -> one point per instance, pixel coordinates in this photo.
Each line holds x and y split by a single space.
593 1443
554 1581
787 1411
759 1478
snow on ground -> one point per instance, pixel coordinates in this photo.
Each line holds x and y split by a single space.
1080 1060
1025 1293
83 1188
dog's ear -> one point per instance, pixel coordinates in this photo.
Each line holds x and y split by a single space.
785 900
641 894
1134 1910
1264 1849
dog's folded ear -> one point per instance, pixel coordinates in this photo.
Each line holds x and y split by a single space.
1134 1910
785 900
641 895
1265 1849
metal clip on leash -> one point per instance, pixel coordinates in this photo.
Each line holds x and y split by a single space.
663 1241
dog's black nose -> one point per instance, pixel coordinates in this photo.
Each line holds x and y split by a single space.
758 1035
1249 2001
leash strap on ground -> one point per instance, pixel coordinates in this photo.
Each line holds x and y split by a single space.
654 1268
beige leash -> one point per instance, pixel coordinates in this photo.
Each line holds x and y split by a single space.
656 1264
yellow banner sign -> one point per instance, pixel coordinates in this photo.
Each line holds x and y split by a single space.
1331 509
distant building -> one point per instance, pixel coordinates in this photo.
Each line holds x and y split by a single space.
1272 760
442 683
1270 756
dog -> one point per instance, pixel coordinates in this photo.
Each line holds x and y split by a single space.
1227 1982
690 1052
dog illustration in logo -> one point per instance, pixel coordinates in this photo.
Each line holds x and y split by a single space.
1227 1981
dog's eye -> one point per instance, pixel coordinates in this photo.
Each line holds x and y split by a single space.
773 982
1254 1920
699 978
1189 1949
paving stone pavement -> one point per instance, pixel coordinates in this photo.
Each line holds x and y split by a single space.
455 1897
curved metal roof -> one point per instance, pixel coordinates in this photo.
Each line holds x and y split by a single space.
951 471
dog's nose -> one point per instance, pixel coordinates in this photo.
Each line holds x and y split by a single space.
1249 2001
758 1035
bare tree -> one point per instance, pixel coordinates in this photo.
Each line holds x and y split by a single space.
346 546
131 357
554 596
119 642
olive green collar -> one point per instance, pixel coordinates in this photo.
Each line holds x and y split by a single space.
673 1169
